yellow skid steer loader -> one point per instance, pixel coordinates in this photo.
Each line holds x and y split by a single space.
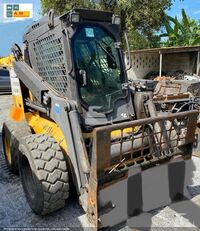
75 114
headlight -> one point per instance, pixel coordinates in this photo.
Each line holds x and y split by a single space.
74 17
116 20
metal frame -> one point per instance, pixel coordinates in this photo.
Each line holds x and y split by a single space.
198 63
101 174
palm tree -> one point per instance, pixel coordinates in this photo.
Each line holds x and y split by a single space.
185 32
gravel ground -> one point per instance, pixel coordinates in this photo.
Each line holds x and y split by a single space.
5 103
15 212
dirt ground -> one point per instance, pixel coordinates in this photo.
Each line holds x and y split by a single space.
15 212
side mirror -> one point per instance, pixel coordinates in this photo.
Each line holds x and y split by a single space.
82 78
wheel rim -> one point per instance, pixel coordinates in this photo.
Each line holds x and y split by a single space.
7 150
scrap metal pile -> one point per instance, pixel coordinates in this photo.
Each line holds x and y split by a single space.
172 75
173 93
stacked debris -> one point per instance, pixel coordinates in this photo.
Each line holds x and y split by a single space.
172 75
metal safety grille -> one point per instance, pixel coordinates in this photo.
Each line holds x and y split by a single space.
151 141
50 62
144 141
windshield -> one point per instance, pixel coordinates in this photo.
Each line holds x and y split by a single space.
98 67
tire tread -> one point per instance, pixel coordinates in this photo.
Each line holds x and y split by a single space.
51 170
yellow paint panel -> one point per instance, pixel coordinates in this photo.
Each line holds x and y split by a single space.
117 133
31 95
16 113
114 134
44 126
17 109
18 101
7 150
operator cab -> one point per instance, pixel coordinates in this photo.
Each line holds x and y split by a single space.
79 55
99 67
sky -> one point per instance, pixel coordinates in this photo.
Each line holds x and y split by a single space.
12 32
192 8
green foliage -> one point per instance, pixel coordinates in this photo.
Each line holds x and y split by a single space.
185 32
62 6
141 18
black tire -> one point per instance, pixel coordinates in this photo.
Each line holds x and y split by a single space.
44 175
12 133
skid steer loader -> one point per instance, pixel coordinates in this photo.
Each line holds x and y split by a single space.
75 114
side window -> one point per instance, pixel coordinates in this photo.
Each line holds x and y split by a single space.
82 55
96 56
